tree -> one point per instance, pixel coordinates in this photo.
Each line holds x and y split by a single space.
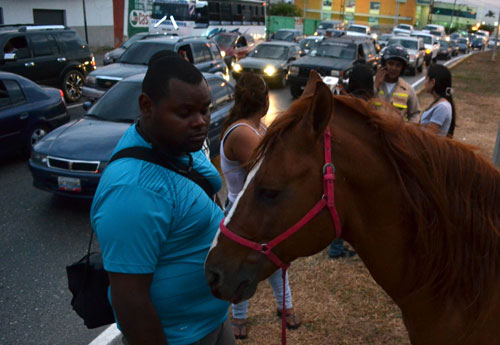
490 14
285 10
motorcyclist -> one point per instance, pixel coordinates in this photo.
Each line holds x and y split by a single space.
389 87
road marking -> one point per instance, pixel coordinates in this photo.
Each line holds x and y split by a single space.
74 105
106 337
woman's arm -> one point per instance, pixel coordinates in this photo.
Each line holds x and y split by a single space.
240 144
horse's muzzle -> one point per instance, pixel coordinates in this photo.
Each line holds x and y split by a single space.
234 290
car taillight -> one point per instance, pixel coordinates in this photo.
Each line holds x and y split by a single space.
62 96
93 61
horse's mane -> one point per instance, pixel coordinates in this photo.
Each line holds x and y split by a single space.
452 201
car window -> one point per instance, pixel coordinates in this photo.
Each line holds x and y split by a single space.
43 45
224 40
249 39
283 35
215 51
405 43
269 51
120 103
201 52
10 93
357 29
337 50
140 52
221 93
242 42
19 46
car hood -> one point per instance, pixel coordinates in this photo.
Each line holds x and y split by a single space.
83 139
321 61
119 70
116 53
251 62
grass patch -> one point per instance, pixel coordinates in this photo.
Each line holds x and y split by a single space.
338 301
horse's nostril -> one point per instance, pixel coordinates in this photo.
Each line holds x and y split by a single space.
213 276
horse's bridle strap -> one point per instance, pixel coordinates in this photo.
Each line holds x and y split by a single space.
328 200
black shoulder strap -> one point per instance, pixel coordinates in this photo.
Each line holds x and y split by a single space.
149 155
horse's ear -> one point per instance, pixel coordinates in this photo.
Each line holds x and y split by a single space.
321 108
310 88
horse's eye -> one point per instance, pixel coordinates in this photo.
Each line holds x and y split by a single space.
268 194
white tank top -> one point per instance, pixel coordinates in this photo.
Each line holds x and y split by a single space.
233 171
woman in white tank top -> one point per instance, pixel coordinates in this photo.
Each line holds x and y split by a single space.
241 134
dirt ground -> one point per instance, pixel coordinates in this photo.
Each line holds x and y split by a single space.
338 301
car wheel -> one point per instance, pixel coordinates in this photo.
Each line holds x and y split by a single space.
295 91
72 85
37 133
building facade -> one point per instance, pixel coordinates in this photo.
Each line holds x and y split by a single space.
454 16
99 16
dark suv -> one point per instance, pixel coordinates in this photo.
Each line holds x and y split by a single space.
203 53
51 55
333 57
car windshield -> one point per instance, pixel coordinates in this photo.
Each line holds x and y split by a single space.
337 50
324 26
404 26
357 29
140 52
478 40
119 104
444 44
427 39
133 39
283 35
385 37
270 51
225 40
462 40
409 44
309 43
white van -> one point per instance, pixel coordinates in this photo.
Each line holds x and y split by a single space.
435 27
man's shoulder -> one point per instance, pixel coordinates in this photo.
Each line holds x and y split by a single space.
403 84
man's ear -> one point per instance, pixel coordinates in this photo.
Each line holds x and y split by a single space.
145 105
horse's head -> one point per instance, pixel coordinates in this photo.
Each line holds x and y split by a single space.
283 185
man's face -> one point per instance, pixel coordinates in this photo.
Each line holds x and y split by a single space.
394 69
179 123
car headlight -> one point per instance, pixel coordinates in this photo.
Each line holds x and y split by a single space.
316 33
294 70
223 53
335 73
237 67
38 158
270 70
90 80
107 56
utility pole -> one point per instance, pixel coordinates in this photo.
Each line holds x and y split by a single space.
431 9
342 10
496 39
452 14
85 22
397 14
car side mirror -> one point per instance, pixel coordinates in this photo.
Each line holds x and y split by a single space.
87 105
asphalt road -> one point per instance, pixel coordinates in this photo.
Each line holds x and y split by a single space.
39 235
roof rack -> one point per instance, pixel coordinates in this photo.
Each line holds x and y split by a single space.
42 27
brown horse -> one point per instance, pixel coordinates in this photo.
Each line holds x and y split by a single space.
422 211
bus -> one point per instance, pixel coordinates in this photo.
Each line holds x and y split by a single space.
200 18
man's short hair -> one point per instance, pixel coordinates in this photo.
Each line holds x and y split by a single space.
164 66
361 81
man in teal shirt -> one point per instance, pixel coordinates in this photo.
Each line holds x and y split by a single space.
155 226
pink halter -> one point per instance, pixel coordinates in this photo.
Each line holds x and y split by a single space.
327 200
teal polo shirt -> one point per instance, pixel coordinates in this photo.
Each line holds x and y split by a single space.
149 219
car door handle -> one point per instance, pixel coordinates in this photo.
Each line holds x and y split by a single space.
61 59
23 116
29 64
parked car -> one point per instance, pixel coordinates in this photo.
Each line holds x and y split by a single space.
492 42
383 39
431 45
333 57
234 45
269 60
329 24
27 112
205 55
50 55
113 55
416 51
310 43
287 35
70 160
463 45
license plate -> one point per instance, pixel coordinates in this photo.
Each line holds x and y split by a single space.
69 184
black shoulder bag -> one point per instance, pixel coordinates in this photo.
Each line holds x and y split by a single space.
87 279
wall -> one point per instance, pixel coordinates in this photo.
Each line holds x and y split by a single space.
99 16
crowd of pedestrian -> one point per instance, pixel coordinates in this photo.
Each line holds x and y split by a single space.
155 226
